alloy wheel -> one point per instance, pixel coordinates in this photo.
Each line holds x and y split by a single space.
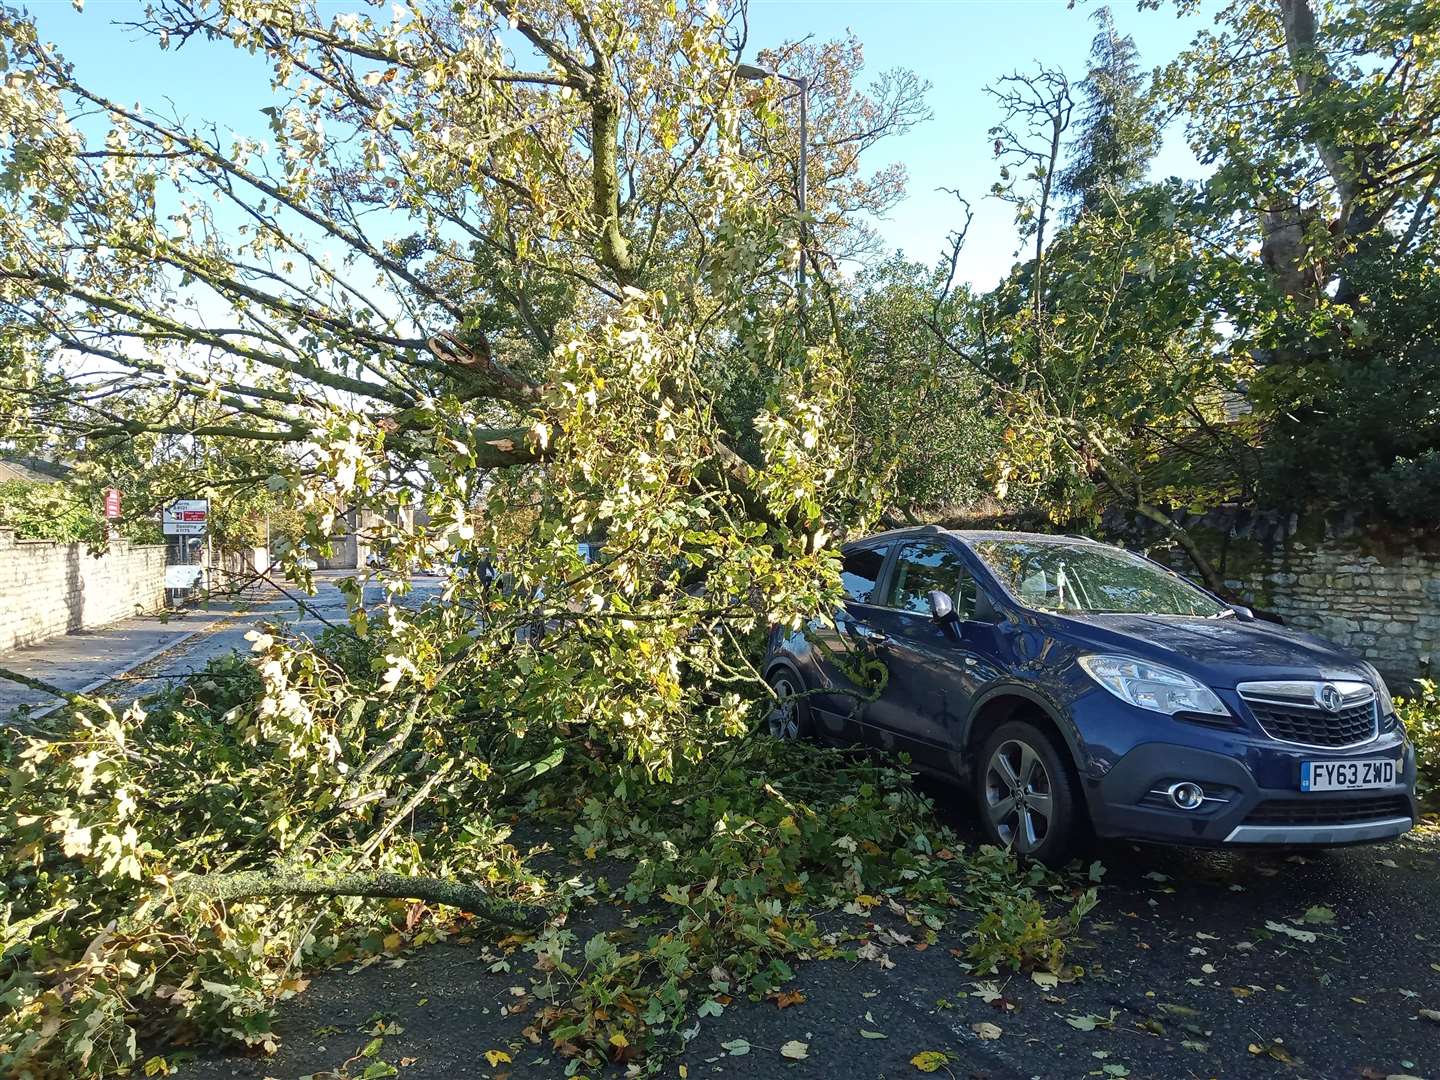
1018 796
785 716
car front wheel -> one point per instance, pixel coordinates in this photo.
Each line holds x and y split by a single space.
1027 802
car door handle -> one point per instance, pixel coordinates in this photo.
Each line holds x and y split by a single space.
874 637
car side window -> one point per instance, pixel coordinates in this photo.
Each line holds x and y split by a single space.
859 571
924 567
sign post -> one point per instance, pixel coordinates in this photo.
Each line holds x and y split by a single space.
112 512
185 517
184 522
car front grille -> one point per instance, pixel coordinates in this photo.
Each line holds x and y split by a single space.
1314 727
1288 711
1328 811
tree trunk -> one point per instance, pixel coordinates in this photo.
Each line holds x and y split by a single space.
473 899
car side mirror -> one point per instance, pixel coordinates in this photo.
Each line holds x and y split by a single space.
941 606
1242 613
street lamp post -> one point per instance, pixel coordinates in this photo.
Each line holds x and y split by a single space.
751 71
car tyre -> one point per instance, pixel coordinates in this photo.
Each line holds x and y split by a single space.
1025 795
789 719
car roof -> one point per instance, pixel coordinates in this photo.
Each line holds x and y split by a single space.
969 535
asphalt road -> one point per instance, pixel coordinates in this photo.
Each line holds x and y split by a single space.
326 607
1186 977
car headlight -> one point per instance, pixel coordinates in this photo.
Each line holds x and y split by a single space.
1382 692
1150 686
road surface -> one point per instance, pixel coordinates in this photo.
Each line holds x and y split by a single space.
141 656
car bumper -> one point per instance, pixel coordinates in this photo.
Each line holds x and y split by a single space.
1253 796
1356 832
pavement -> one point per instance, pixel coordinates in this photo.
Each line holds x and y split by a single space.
135 657
1197 964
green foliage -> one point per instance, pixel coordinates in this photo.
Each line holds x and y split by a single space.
1116 384
1117 136
239 769
1293 105
1015 930
1357 423
48 511
296 763
767 836
1421 716
914 402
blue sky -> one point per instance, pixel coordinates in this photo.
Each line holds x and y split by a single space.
957 45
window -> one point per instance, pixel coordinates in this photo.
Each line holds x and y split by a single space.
922 568
859 571
1092 578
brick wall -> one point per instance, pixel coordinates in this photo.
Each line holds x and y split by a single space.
1376 592
48 589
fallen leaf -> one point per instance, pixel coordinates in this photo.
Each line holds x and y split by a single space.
985 991
1090 1021
1044 979
785 998
1318 914
1270 1050
736 1047
864 1034
1307 936
1431 1014
986 1030
496 1057
795 1050
928 1061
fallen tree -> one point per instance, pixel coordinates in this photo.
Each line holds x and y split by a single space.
555 308
463 896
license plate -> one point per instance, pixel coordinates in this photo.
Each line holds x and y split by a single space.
1349 775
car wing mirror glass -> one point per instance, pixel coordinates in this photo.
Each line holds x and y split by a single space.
941 606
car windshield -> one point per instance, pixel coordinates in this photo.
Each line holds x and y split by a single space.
1091 579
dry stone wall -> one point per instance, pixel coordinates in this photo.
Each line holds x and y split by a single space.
1377 592
47 588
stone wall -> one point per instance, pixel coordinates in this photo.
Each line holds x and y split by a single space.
47 589
1375 592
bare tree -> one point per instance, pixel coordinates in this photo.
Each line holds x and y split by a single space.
1028 144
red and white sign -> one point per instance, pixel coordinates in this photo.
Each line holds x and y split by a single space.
112 504
185 517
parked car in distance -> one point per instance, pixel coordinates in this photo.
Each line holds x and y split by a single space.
1080 689
304 561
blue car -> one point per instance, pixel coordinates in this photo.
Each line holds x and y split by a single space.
1081 690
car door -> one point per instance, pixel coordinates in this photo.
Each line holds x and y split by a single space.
840 651
934 668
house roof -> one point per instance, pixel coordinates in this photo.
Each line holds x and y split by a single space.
31 470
